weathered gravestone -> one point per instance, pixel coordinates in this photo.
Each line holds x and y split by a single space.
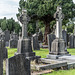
18 65
7 35
5 53
1 58
68 38
64 36
58 45
35 43
50 38
71 41
74 36
2 37
24 44
40 36
13 40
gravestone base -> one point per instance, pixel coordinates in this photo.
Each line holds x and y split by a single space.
50 56
57 49
24 47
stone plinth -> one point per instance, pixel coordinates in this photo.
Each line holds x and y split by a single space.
24 47
57 49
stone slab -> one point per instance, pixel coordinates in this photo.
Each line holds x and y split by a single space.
46 64
50 56
72 57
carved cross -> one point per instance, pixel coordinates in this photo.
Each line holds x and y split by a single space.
59 17
24 19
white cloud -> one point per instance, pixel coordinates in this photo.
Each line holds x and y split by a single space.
9 8
74 1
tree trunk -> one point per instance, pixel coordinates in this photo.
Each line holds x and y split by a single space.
47 31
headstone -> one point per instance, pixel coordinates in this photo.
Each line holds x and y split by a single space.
40 36
2 37
18 65
50 38
35 43
7 35
13 40
74 36
1 58
58 45
64 36
71 41
24 44
68 38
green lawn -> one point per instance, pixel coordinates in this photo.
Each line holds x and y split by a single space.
43 53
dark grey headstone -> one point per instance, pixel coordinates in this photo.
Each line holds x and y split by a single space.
7 35
13 40
71 41
35 43
68 38
18 65
13 43
50 38
1 58
40 36
74 41
2 37
64 36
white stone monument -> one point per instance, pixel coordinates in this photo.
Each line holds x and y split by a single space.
58 45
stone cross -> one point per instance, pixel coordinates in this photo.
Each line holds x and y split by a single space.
59 17
24 19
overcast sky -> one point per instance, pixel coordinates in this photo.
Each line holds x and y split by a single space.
9 8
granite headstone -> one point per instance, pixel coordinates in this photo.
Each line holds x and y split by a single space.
35 43
13 40
50 38
18 65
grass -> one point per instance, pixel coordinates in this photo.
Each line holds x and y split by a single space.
43 53
11 52
62 72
